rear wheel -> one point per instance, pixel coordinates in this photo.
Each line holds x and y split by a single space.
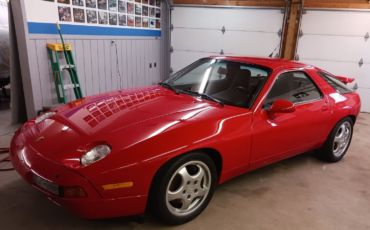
338 141
182 188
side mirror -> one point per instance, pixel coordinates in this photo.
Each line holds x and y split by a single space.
281 106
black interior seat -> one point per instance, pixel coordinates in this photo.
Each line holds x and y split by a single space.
242 78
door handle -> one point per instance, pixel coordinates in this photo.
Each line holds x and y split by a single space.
324 108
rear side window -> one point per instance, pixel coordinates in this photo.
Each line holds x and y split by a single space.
339 86
296 87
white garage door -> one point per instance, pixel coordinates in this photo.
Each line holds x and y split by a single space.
335 41
197 33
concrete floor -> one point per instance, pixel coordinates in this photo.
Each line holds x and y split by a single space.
298 193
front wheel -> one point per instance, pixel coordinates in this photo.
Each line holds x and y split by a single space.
183 187
338 141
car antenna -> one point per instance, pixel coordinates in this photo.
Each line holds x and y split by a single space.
274 51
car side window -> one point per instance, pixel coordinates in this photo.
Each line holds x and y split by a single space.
339 86
296 87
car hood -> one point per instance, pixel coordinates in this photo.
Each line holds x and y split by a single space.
79 123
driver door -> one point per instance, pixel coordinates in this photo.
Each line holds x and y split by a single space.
289 133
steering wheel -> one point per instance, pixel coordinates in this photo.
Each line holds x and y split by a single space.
241 88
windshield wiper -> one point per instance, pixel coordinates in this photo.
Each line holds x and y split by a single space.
207 97
168 86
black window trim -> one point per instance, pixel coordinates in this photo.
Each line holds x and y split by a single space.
296 103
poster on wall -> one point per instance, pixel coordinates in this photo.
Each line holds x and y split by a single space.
122 6
64 14
130 20
64 1
94 14
102 4
122 20
78 2
112 19
78 15
91 16
91 3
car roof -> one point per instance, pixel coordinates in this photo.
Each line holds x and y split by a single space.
272 63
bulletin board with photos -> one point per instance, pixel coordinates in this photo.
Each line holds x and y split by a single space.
127 13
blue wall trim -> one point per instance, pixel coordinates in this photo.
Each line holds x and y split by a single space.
51 28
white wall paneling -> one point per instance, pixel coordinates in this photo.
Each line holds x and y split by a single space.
335 41
197 32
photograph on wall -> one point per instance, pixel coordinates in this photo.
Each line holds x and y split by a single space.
64 14
158 3
145 2
137 21
158 24
145 22
121 6
151 23
152 12
102 4
122 20
91 16
103 17
130 20
157 13
137 9
78 2
138 1
112 5
145 11
91 3
64 1
112 19
78 15
130 8
152 2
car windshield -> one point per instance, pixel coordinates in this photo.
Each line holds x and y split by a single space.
229 82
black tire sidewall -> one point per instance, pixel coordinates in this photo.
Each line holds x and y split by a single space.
163 177
327 151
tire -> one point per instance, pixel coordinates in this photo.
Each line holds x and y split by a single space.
338 142
182 188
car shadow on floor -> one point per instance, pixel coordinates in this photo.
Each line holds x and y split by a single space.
22 205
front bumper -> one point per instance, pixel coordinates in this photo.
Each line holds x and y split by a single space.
28 162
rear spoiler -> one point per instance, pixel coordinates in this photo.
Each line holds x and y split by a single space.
345 80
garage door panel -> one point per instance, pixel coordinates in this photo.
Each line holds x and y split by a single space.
334 41
364 95
232 19
181 59
250 44
331 48
197 40
336 23
344 69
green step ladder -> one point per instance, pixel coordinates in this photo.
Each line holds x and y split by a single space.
60 87
54 48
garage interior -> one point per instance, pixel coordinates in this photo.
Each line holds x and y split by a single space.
301 192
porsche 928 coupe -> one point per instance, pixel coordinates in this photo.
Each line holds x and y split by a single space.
164 148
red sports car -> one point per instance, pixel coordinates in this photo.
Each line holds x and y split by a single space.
165 147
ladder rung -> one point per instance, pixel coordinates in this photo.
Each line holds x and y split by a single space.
70 86
63 67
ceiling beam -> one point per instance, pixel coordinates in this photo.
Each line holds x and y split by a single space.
269 3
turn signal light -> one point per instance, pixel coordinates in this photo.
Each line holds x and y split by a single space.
119 185
73 192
